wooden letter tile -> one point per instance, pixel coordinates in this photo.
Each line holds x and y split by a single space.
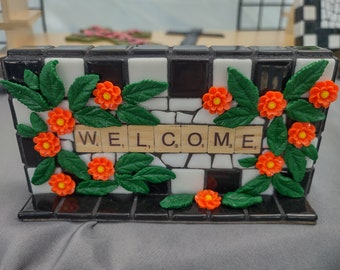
141 139
194 138
87 139
248 139
168 138
221 140
115 139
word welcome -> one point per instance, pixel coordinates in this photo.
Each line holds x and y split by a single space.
169 139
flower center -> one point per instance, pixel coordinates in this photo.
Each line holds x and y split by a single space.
46 145
60 122
324 94
271 105
61 185
107 96
217 101
302 134
100 169
270 164
208 197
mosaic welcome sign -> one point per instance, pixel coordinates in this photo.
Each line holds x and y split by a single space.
171 134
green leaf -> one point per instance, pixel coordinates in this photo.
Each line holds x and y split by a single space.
72 163
287 187
154 174
177 201
31 79
256 186
142 91
304 79
30 98
247 162
243 90
26 131
43 171
310 151
37 123
51 85
235 117
131 163
81 90
302 111
135 115
133 186
96 188
296 162
240 200
277 136
95 117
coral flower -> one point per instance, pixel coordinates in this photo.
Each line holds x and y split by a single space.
62 184
61 121
208 199
217 100
269 164
100 168
47 144
301 134
107 95
322 94
271 104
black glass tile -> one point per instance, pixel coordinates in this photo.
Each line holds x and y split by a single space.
186 50
298 14
108 70
225 214
312 51
148 208
273 51
40 206
15 68
158 188
77 207
297 209
272 75
29 156
29 50
231 51
190 213
223 181
117 50
146 50
267 210
310 27
188 78
115 206
68 51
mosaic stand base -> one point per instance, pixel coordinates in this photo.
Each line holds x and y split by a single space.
137 208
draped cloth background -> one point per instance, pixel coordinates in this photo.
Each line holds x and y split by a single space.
91 245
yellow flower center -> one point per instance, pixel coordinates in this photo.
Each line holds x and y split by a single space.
208 197
271 105
107 96
302 135
217 101
270 164
60 122
324 94
100 169
46 145
61 185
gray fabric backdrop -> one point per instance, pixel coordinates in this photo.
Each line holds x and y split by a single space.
91 245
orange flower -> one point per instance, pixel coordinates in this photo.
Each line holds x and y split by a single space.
107 95
61 121
301 134
217 100
208 199
271 104
269 164
322 94
62 184
47 144
101 169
